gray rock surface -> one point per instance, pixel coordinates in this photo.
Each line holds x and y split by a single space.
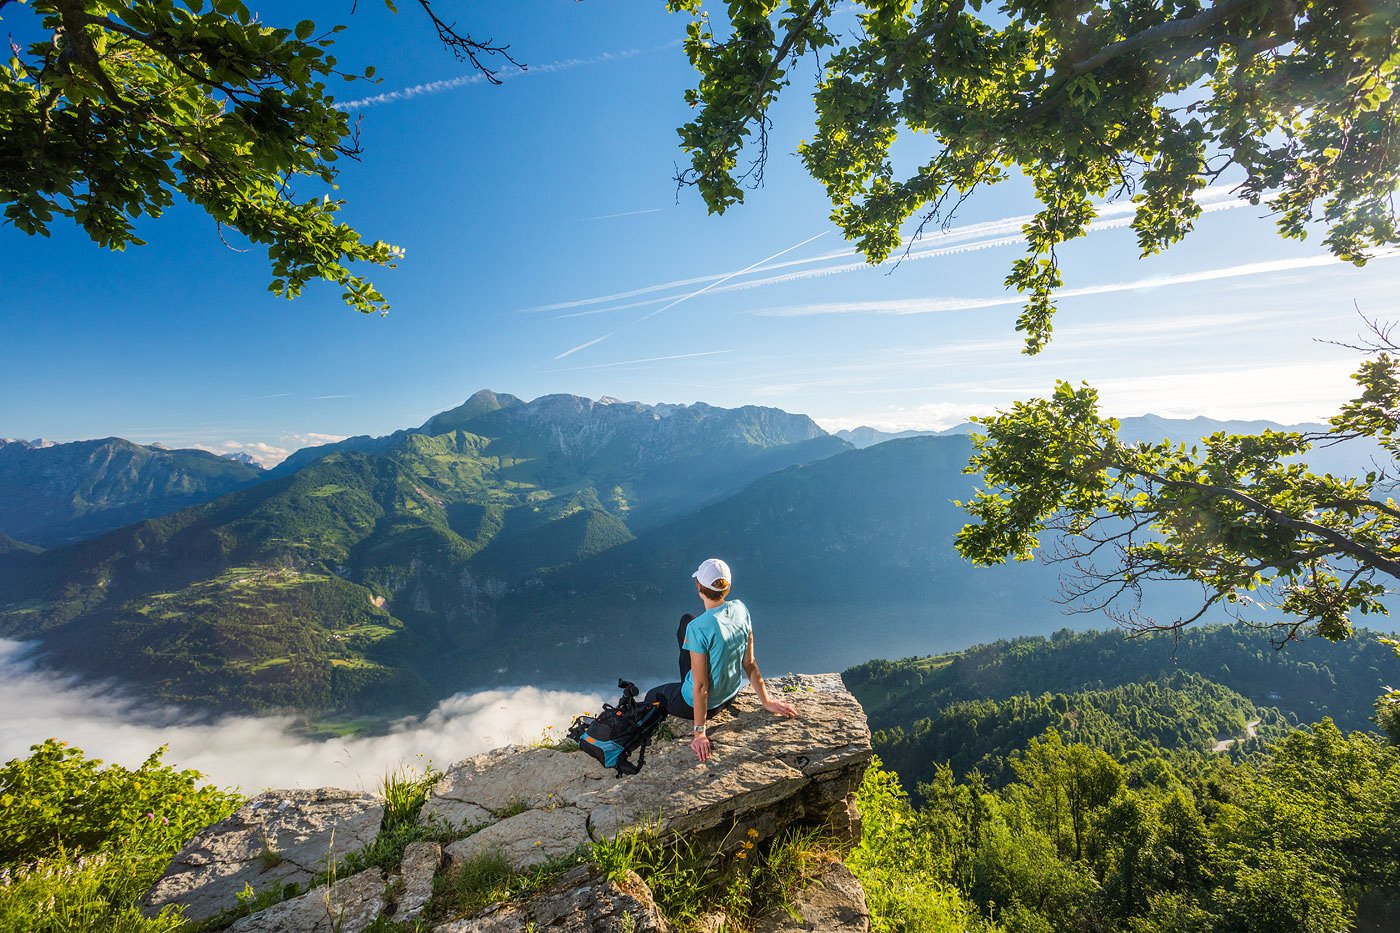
767 773
348 906
508 777
582 901
527 838
832 902
420 865
278 838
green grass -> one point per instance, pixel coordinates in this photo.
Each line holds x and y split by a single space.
329 489
405 790
486 879
757 879
514 808
92 894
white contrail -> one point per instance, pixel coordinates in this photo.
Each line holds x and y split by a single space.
650 359
694 294
1003 232
505 74
582 346
654 210
935 305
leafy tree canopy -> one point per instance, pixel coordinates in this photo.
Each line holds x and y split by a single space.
1087 99
126 104
1238 514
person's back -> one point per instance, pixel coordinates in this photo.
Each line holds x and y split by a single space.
722 635
716 654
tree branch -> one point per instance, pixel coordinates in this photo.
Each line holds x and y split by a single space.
1343 543
1175 29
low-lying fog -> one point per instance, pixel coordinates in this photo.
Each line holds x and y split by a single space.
256 752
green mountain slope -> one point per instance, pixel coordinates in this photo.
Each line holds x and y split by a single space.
65 492
838 560
357 580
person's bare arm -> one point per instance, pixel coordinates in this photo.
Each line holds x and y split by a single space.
755 676
700 687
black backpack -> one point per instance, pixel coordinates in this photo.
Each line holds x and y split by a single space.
613 733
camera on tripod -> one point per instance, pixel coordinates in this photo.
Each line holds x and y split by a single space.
629 692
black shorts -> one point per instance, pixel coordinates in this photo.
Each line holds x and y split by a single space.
671 698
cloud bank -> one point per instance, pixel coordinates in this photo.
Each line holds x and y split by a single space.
269 455
256 752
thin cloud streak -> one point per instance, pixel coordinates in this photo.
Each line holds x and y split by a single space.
650 359
936 305
653 210
582 346
1007 231
694 294
452 84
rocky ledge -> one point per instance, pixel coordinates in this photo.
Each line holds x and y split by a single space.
538 805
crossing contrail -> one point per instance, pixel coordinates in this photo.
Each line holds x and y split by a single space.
695 294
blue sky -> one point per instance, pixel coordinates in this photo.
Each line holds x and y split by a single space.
524 207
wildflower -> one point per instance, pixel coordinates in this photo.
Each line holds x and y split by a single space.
747 846
537 842
164 821
150 815
752 833
743 854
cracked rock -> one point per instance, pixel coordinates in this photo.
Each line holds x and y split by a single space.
527 838
278 838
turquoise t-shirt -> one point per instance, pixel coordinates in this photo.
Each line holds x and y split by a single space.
722 634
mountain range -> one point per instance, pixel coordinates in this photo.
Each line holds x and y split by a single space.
502 541
53 494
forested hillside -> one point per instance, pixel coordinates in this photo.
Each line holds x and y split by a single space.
1091 782
1131 697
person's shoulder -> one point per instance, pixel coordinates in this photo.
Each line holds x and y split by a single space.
739 610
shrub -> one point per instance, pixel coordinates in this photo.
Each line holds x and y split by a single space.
58 800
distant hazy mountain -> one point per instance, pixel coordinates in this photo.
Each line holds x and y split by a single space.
51 494
1353 457
863 437
242 457
361 577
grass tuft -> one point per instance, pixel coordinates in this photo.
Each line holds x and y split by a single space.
487 879
688 883
405 790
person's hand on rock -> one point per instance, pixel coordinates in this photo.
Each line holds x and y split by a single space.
700 745
780 708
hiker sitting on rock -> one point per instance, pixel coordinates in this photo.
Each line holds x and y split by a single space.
715 646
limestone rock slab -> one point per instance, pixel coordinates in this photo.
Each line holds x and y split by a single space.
829 733
675 793
581 901
278 838
420 865
348 906
527 838
471 790
832 902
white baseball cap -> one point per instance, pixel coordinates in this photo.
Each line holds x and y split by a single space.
714 574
